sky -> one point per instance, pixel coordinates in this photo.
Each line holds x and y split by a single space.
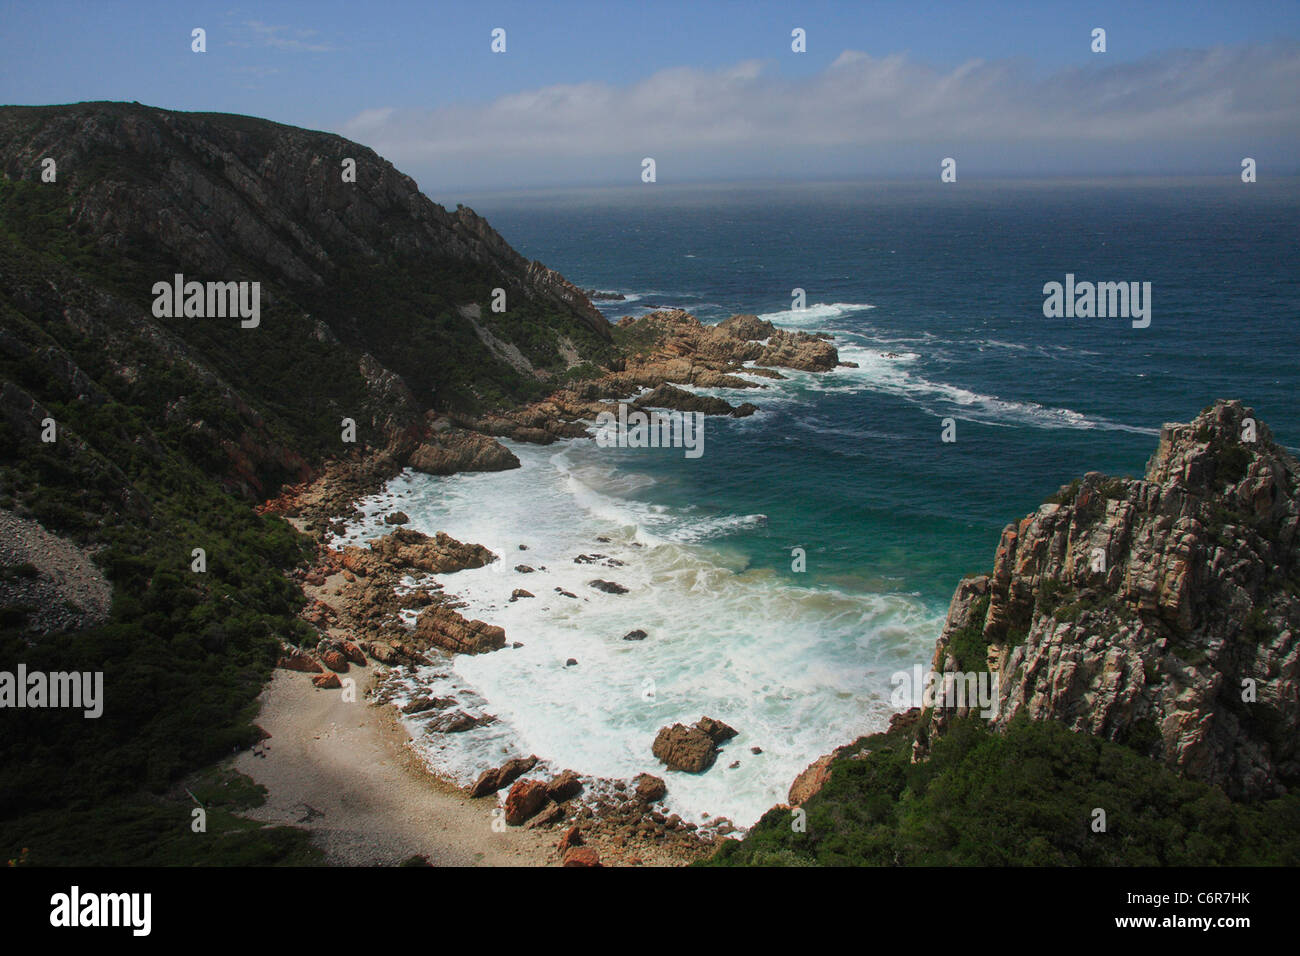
712 91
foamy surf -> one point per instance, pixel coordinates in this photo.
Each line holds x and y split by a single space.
794 669
816 313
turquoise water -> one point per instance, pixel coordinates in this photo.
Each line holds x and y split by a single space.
850 465
936 293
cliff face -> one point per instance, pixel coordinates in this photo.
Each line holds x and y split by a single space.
1159 612
375 301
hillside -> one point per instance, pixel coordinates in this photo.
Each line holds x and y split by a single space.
375 306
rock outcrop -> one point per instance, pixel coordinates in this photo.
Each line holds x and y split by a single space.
445 628
1160 612
691 749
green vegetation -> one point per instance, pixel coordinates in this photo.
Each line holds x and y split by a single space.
1025 797
164 444
968 646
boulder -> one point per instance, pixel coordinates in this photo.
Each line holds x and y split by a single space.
685 748
581 856
298 661
327 681
490 781
440 554
650 788
692 749
457 450
564 787
526 797
447 629
334 660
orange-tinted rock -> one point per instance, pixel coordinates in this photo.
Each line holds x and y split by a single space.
525 798
581 856
299 662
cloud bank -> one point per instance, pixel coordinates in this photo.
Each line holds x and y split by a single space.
861 114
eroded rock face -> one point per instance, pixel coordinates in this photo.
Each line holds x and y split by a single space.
454 450
445 628
441 554
808 783
1148 611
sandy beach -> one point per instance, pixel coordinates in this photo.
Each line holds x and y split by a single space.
343 771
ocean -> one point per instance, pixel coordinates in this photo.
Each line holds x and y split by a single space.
936 291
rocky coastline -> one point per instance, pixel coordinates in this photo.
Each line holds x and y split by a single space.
363 614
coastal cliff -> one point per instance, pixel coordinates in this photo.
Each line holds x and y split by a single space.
1161 611
1142 633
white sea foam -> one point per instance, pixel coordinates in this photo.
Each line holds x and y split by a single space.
890 373
795 669
814 314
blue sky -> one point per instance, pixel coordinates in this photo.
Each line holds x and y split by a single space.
711 90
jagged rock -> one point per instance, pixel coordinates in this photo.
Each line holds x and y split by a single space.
396 517
551 812
524 569
716 729
564 787
609 587
650 788
692 749
518 593
458 450
581 856
810 781
447 629
327 681
637 635
1138 609
298 661
490 781
421 704
353 653
572 837
441 554
526 797
334 660
678 399
456 722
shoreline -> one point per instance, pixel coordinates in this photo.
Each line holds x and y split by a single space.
343 771
400 804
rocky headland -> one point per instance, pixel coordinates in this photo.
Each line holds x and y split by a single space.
1159 612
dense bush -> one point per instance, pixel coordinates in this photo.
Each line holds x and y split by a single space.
1023 797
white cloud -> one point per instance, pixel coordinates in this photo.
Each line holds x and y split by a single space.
860 101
